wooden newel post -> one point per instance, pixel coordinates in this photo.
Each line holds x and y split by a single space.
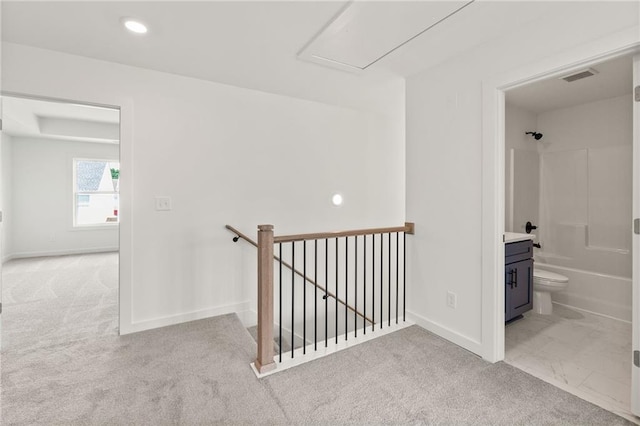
265 362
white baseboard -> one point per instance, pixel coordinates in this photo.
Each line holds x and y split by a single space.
65 252
446 333
184 317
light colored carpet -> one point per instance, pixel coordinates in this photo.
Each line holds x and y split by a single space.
49 300
198 373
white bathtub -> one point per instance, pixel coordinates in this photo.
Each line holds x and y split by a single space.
603 294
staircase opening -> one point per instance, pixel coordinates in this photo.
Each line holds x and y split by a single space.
323 292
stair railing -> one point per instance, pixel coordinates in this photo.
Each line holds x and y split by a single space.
240 235
376 297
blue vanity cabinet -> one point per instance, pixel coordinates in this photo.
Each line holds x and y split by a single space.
518 279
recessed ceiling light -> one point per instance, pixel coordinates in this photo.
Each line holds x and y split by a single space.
134 26
337 199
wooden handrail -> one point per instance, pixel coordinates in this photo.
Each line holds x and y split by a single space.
241 235
297 272
408 228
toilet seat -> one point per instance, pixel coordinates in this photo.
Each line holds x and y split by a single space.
549 278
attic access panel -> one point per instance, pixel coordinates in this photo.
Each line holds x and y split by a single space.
364 32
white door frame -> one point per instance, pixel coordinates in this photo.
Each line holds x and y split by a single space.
635 375
125 263
2 209
493 163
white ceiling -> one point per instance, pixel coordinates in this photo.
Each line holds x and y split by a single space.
255 44
247 44
54 120
614 78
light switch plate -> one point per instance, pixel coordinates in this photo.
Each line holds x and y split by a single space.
452 299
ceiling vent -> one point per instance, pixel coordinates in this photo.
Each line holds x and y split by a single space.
579 75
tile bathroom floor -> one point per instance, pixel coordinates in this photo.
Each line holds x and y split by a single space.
582 353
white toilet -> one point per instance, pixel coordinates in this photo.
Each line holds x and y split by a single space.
544 283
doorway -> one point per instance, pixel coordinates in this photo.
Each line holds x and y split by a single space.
61 208
493 177
568 146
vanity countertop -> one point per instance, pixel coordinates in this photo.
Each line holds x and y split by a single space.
512 237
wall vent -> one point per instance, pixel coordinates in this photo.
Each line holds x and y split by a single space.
579 75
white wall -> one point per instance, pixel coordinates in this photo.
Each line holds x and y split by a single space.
444 160
6 198
225 155
586 186
42 201
522 173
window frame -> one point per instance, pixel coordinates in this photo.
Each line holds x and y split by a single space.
75 193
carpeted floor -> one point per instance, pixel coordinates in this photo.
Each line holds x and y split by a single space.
49 300
198 373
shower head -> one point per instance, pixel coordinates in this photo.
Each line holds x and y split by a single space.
537 136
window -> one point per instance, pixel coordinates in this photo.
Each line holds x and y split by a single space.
95 192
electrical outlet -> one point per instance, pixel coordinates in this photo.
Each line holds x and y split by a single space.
163 203
452 300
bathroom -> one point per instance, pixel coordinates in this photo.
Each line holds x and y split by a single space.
568 171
